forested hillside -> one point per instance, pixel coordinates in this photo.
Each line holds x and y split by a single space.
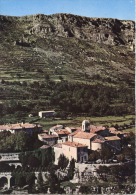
65 62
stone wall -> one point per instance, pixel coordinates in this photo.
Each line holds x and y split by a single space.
9 156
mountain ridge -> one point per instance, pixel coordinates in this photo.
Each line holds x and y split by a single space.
63 47
108 31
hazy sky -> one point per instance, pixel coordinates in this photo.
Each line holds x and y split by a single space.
121 9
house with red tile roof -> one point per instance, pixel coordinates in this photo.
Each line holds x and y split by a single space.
62 135
84 138
54 128
100 130
26 127
71 150
75 150
48 139
71 135
97 144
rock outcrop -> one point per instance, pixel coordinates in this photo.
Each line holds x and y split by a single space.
107 31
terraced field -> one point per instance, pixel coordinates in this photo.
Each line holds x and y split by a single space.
39 52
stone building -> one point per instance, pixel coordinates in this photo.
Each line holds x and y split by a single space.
75 150
43 114
18 127
62 135
57 151
84 138
71 150
48 139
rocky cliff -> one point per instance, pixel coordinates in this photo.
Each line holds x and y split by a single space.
100 30
107 31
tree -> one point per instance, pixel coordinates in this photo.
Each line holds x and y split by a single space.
23 157
47 77
71 169
115 171
63 162
121 157
40 182
106 153
20 141
20 179
103 171
53 182
30 179
61 78
95 155
47 157
15 142
33 161
2 81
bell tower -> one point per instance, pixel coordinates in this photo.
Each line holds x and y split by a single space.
86 126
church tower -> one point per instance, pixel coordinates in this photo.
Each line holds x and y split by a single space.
86 126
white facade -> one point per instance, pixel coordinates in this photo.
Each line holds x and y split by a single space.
85 125
86 142
96 146
58 151
54 128
43 114
9 156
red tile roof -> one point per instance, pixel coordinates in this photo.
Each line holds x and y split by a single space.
112 138
62 132
98 141
59 145
45 131
70 128
45 136
56 127
115 131
44 147
73 144
84 135
4 127
18 126
94 129
75 132
112 129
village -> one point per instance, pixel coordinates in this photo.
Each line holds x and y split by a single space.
90 147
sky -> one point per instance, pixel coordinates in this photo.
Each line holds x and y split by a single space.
121 9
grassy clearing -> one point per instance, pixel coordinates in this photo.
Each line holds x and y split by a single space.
129 130
107 120
77 121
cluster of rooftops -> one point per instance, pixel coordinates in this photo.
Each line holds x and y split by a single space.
67 135
77 137
73 142
18 126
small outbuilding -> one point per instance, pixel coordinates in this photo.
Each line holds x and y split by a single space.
43 114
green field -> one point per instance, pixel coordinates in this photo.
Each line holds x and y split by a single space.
76 121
